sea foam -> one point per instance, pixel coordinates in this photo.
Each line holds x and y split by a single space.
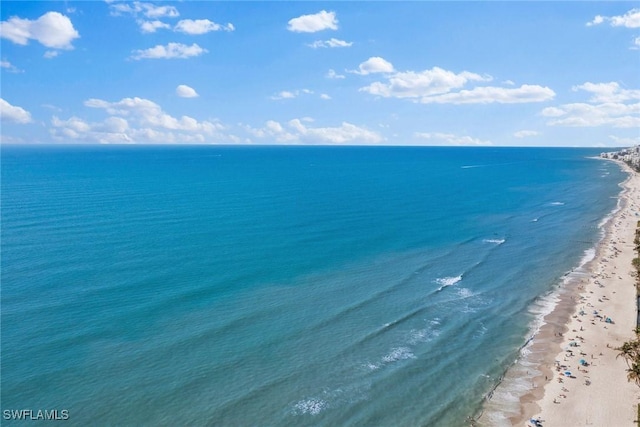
398 353
447 281
496 241
311 406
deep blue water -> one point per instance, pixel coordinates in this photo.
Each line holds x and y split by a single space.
278 286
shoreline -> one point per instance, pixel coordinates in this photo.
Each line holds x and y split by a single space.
606 284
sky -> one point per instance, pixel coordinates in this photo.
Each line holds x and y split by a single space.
481 73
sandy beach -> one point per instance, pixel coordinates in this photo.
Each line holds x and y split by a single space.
581 382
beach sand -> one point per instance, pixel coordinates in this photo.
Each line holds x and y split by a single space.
598 394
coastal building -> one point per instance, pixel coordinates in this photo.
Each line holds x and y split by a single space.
630 155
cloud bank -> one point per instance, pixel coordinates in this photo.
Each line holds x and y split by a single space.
440 86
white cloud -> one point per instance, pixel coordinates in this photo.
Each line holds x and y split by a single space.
631 19
200 26
590 115
636 44
345 133
273 130
324 96
152 26
451 139
299 133
152 11
413 84
147 9
491 94
322 20
52 30
596 21
10 67
332 42
138 120
171 50
608 92
185 91
51 54
148 113
286 94
445 87
6 139
553 112
185 26
331 74
525 133
375 64
113 130
609 105
14 114
51 107
74 124
621 141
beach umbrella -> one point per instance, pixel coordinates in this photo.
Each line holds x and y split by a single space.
582 361
567 373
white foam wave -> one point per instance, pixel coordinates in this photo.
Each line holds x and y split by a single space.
465 293
468 309
496 241
535 219
589 255
556 203
311 406
608 217
447 281
483 330
539 309
422 335
398 353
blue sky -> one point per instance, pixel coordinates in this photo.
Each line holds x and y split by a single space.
376 73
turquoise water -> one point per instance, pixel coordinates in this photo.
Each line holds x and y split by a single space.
277 286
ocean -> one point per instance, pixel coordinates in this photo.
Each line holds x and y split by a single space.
280 286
